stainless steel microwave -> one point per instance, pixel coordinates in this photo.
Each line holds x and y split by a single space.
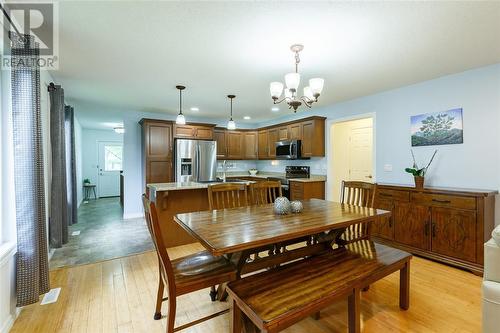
289 149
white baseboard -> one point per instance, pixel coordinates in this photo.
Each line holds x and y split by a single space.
7 325
7 270
133 215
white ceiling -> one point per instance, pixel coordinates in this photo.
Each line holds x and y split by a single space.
131 55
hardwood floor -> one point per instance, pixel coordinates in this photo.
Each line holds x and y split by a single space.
119 296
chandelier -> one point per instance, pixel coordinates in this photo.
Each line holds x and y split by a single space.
180 120
292 81
231 125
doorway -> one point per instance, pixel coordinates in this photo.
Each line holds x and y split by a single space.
110 161
352 152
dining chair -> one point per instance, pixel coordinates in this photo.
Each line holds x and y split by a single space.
183 275
359 194
265 192
227 195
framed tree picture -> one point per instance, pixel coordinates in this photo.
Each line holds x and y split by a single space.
439 128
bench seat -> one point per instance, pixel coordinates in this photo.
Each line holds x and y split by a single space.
276 299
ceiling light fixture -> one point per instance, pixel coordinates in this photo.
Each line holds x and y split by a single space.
119 130
247 117
275 109
180 120
292 81
195 109
231 125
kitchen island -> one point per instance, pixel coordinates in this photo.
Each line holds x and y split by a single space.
176 198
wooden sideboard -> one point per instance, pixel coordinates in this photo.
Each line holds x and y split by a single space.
447 225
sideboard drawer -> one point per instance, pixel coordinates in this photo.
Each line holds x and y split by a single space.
443 200
387 194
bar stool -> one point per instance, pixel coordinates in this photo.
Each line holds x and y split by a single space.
87 190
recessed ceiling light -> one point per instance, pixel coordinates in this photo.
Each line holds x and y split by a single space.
275 109
247 117
195 109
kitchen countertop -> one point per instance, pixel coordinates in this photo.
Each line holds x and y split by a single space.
313 178
176 186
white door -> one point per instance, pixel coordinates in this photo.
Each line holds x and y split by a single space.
361 154
109 167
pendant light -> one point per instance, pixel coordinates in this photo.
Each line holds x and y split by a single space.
180 120
231 125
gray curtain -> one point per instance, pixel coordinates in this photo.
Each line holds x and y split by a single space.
32 272
59 208
69 116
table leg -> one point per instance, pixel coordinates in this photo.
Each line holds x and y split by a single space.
354 312
95 196
236 318
404 287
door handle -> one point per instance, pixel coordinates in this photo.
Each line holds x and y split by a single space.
441 201
369 176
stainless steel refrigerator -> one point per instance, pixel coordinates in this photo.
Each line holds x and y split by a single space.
195 160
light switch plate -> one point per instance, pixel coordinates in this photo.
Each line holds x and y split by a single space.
388 167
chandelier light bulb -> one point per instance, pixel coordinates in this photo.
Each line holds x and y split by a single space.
308 93
292 80
316 85
288 93
276 89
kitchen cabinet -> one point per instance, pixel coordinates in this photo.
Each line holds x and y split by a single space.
283 133
157 150
235 145
250 148
313 137
300 190
272 137
220 138
449 225
194 131
295 131
263 148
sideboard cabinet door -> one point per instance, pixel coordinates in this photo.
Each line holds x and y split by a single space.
384 227
412 225
454 233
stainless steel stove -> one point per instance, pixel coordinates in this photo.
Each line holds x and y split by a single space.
291 172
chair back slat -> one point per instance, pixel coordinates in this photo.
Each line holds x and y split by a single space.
166 269
265 192
360 194
227 195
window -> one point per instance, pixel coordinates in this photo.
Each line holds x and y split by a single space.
113 158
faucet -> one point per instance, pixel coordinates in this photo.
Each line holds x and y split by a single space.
224 168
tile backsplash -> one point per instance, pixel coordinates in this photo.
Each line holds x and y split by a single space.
318 165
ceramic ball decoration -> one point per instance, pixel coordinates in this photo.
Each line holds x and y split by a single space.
296 206
282 206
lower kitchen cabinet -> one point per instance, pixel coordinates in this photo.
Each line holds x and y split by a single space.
443 224
300 190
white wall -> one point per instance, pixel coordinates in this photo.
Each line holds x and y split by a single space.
90 139
473 164
78 161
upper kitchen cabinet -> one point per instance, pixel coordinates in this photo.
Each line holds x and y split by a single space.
283 133
235 145
272 138
263 148
295 131
157 150
220 138
313 137
194 131
250 148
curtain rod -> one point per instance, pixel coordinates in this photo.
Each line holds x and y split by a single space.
10 20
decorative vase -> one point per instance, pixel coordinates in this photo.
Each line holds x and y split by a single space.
282 206
419 182
296 206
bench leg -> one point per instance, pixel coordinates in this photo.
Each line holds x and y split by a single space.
404 287
354 312
236 318
317 315
365 289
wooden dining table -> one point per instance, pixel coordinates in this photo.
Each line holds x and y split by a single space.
254 237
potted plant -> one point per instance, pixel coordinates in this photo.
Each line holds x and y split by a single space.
86 181
419 173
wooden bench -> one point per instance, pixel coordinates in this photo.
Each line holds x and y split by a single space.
276 299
